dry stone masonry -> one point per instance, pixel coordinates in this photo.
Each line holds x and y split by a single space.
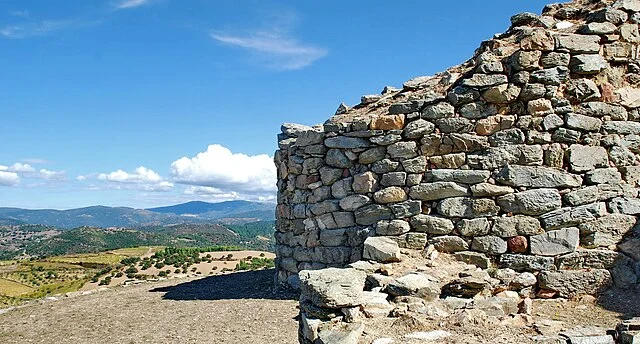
525 157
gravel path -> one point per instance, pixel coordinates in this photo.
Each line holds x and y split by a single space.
232 308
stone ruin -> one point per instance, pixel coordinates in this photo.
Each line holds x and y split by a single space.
526 157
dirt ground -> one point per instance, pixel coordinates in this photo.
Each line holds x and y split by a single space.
232 308
243 308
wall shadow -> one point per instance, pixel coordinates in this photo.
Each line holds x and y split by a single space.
240 285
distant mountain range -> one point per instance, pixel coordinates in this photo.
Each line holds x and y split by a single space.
101 216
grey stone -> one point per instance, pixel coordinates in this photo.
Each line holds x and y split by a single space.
609 15
342 188
467 207
415 165
404 108
497 306
458 176
566 135
416 241
332 288
512 136
603 176
622 156
629 33
454 125
489 190
534 91
569 216
337 158
392 227
607 230
419 285
570 283
418 128
489 244
384 166
333 237
555 243
627 5
353 202
381 249
521 262
582 90
577 44
346 142
552 121
475 258
511 226
329 175
531 202
581 196
622 127
404 150
630 206
406 209
461 95
431 224
523 280
598 28
582 122
477 110
588 63
437 190
394 179
526 60
473 227
375 304
600 109
587 158
485 80
449 243
346 333
505 93
588 259
631 247
438 110
372 155
371 214
385 140
537 177
550 76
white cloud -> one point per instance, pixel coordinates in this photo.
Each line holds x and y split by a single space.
51 175
21 168
226 172
35 161
275 45
141 178
34 28
140 175
9 178
124 4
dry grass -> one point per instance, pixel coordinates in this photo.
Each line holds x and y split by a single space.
95 258
13 289
138 251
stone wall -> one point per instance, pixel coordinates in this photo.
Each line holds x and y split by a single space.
527 156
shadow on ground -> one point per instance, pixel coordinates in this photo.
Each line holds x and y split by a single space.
240 285
625 302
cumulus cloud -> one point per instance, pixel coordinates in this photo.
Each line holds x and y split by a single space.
27 171
140 175
8 178
141 178
222 171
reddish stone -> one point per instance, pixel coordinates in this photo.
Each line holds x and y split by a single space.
608 93
545 294
388 122
518 244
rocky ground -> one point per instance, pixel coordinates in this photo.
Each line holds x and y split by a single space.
244 308
231 308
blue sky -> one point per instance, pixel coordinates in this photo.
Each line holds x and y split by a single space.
152 102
